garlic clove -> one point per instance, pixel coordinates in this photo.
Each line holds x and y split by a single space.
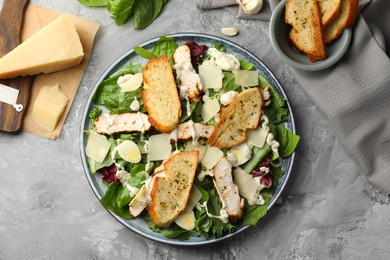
251 6
229 31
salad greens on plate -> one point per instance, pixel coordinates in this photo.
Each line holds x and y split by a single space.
121 158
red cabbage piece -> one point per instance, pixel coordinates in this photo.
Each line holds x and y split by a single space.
265 163
109 174
196 50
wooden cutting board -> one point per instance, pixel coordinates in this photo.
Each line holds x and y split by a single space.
11 17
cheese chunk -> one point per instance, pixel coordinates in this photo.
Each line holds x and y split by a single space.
211 76
211 157
209 109
246 78
55 47
97 147
49 106
159 147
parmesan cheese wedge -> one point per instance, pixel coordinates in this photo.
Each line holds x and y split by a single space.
55 47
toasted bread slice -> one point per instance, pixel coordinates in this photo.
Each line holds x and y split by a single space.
242 113
160 95
330 10
170 193
348 13
306 34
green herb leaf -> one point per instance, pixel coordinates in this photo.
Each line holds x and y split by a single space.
93 2
121 10
110 200
145 12
95 112
165 45
288 141
144 53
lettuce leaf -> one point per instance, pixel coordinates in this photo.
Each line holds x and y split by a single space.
252 214
288 141
93 2
121 10
108 93
165 45
113 200
145 12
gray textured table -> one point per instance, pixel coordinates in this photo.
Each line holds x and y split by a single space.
48 211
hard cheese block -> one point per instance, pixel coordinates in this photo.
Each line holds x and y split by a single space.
49 106
56 47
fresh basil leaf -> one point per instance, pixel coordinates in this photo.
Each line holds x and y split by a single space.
121 10
144 53
93 2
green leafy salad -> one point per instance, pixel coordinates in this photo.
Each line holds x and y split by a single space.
234 180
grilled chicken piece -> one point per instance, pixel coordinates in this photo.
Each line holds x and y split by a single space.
192 130
190 85
227 190
119 123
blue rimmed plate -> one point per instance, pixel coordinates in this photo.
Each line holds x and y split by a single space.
138 225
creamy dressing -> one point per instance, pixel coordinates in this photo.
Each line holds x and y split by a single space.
239 154
270 137
227 97
123 79
185 69
224 217
205 173
122 174
194 134
135 105
227 62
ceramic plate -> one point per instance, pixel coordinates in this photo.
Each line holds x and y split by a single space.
138 225
279 34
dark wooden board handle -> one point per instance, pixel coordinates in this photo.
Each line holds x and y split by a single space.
11 18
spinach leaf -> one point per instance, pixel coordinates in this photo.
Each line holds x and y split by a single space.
93 2
121 10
